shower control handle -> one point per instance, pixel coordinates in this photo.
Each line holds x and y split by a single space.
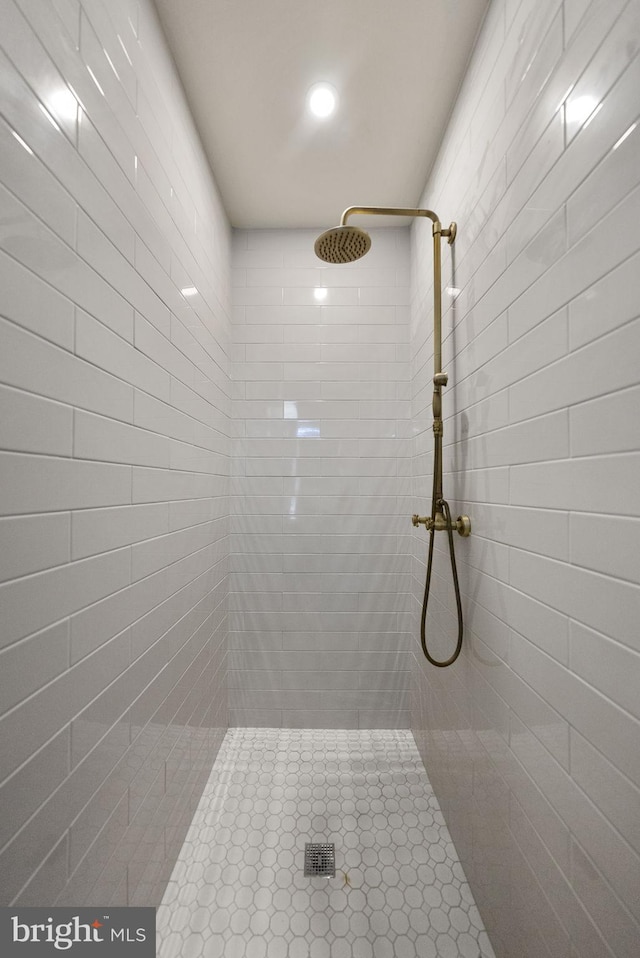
462 525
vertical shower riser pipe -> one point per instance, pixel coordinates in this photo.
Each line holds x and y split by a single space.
437 299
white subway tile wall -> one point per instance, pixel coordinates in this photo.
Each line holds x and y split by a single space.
115 467
125 431
532 738
319 587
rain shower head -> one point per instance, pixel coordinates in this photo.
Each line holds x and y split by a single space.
345 244
342 244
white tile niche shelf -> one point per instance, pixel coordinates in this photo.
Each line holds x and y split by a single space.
238 889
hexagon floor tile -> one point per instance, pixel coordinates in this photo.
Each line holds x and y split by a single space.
238 889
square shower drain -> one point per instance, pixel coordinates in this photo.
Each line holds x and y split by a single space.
320 859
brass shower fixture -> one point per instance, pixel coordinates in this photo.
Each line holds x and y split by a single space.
345 244
462 525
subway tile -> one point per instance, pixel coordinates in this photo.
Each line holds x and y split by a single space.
113 204
283 353
577 161
612 56
37 366
32 543
255 718
31 182
595 600
310 641
574 10
96 624
29 665
555 883
546 723
97 250
264 679
617 928
99 438
33 61
610 791
44 483
587 261
163 418
106 715
101 57
588 319
604 664
159 349
546 628
384 680
285 699
609 184
605 425
255 640
93 241
33 304
31 424
48 879
264 296
72 276
100 530
160 485
530 35
575 484
30 725
573 379
381 718
30 603
522 222
25 791
311 718
610 852
98 345
156 553
104 25
383 296
91 831
545 437
190 513
535 530
587 289
617 539
598 719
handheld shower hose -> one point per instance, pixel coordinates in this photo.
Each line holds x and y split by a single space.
439 505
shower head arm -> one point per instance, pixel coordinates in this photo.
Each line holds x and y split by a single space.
389 211
450 232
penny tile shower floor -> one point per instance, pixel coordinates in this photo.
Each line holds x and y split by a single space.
239 891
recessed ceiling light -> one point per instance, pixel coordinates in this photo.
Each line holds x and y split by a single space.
322 99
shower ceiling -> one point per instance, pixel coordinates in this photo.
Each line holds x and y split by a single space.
246 66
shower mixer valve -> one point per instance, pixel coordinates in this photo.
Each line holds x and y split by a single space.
462 525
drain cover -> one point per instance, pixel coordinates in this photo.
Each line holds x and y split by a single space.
320 859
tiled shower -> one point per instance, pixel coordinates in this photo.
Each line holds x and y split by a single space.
214 445
319 592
